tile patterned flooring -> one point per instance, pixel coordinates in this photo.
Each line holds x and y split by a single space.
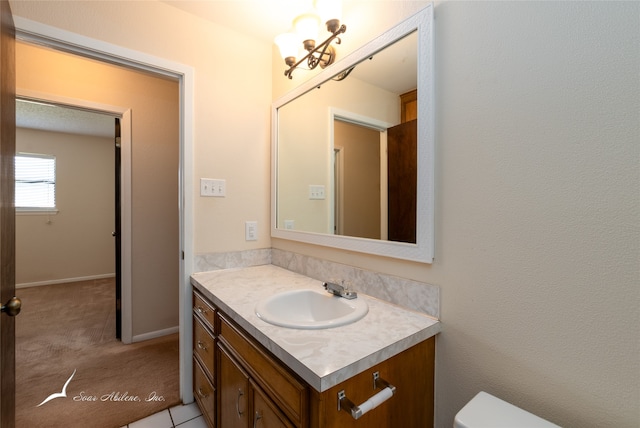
184 416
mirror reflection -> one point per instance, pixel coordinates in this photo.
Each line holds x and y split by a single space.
346 151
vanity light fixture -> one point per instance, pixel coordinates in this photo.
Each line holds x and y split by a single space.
306 31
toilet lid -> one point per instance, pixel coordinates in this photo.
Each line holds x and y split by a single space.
487 411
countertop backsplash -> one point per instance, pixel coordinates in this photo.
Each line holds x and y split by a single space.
415 295
232 259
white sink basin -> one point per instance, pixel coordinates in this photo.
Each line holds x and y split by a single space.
309 309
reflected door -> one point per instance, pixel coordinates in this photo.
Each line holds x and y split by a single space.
403 176
357 180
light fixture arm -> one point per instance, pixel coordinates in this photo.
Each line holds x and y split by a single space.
323 50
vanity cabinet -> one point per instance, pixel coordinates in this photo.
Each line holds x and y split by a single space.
250 387
204 334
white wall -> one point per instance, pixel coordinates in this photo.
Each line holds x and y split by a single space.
538 205
75 243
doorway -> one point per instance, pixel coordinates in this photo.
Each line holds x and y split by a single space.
363 140
72 239
357 180
73 245
184 75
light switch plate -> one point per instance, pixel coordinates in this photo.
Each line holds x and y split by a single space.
316 191
213 187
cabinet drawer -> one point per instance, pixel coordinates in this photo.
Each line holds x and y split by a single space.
204 393
288 393
204 311
203 346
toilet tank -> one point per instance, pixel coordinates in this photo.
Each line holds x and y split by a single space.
486 411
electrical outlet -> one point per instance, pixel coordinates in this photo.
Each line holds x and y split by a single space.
289 224
250 230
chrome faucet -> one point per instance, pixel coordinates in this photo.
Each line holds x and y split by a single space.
339 290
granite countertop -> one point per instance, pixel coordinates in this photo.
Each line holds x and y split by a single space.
326 357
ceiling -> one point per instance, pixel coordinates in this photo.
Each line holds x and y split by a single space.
263 19
49 117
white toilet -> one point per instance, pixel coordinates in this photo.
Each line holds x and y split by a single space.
486 411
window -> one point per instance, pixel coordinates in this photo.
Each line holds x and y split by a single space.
35 182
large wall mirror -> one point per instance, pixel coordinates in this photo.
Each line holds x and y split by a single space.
353 157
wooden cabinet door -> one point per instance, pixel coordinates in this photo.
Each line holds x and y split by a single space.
233 382
265 412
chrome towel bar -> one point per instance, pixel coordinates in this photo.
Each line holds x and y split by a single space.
387 391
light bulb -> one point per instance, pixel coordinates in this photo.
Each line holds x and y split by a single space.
288 43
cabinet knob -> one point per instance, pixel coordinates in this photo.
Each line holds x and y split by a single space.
201 346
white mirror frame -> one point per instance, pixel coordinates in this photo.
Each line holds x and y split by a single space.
423 249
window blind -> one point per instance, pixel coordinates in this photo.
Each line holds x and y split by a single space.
35 181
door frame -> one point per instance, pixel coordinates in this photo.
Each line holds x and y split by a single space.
370 123
35 32
124 114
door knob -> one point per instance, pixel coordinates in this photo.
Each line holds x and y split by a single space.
12 307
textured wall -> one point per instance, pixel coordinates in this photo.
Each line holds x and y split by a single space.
539 173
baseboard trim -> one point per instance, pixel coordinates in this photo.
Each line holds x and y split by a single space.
155 334
65 280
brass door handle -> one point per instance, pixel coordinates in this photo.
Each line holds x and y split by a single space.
12 307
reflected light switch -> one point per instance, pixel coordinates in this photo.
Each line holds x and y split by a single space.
316 191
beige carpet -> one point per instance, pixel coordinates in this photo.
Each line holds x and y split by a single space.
69 328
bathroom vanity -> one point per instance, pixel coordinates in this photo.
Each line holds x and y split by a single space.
250 373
